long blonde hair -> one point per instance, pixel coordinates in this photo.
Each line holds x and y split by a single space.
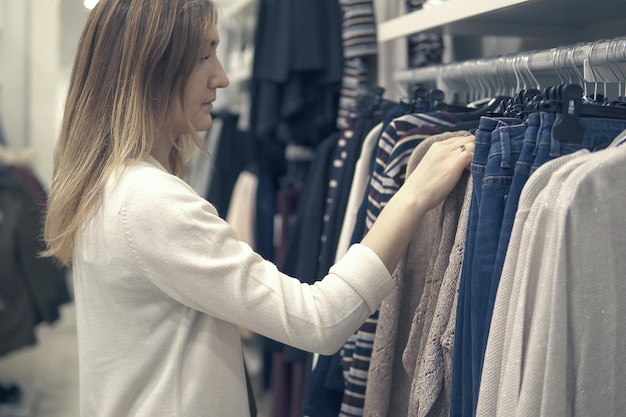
131 56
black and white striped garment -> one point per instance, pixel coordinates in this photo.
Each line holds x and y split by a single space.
359 52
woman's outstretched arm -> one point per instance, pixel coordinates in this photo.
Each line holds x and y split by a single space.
427 186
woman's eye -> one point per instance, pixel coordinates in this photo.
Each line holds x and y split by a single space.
204 58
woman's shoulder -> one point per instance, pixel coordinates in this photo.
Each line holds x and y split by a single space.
147 187
144 177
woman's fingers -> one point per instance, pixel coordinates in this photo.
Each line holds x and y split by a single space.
440 169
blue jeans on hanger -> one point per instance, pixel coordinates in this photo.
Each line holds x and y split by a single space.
597 134
506 145
462 402
520 176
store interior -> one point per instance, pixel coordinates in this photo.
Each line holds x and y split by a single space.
521 43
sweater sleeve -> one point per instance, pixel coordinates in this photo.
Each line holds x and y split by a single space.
180 245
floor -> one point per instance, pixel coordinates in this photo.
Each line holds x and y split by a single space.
47 373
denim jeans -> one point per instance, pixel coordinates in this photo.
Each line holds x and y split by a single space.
462 401
536 147
597 134
520 176
506 145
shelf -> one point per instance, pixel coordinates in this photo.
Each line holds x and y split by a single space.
565 19
448 12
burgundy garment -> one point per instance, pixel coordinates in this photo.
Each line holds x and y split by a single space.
287 381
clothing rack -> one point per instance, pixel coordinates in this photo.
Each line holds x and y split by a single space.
601 61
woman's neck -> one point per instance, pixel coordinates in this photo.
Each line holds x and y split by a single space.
162 153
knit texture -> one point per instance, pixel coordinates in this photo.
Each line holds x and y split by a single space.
430 392
501 369
391 371
162 285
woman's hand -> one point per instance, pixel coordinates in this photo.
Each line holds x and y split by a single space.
439 171
427 186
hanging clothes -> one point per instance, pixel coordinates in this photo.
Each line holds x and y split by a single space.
402 315
563 303
233 154
499 143
393 151
33 288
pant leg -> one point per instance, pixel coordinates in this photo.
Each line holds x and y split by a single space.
506 145
461 392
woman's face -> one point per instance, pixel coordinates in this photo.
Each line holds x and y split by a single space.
199 92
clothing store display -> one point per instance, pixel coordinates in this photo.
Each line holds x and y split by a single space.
357 190
508 300
585 274
430 394
294 91
395 146
510 294
499 143
395 353
561 301
232 155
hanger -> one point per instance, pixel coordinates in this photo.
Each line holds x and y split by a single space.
369 102
568 126
571 108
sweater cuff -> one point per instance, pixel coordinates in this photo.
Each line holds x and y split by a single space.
363 270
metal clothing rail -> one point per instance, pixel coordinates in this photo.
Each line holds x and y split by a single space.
599 61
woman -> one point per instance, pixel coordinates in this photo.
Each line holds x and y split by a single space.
162 284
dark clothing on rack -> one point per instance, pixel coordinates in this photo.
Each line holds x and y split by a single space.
264 215
32 288
327 380
303 251
302 255
359 227
342 172
294 97
324 388
294 88
232 156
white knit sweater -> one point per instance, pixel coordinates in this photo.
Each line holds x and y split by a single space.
162 285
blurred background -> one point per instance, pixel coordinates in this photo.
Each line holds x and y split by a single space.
38 354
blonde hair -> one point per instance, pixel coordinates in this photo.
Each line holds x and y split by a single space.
131 57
